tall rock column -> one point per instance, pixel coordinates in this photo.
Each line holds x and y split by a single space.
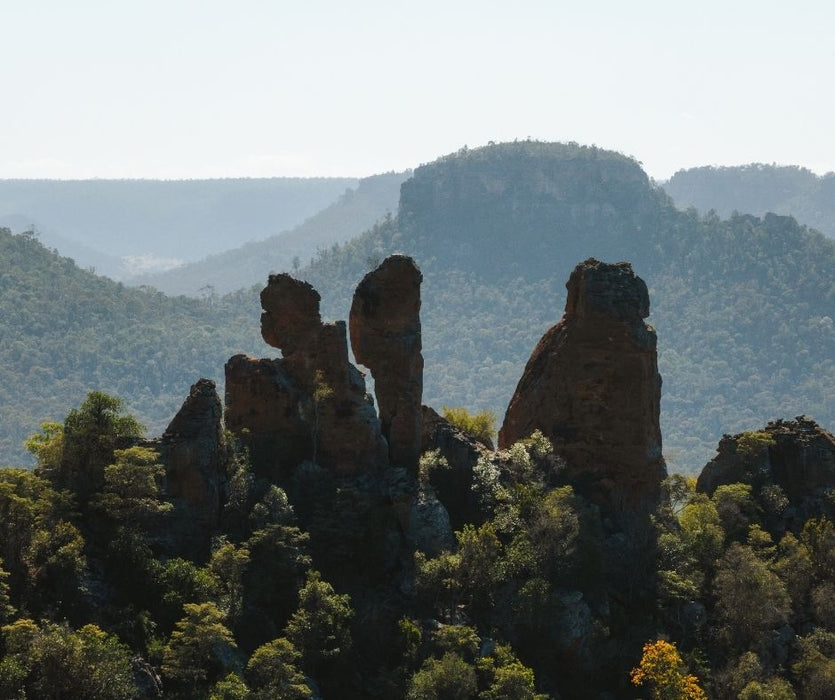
309 404
385 336
592 387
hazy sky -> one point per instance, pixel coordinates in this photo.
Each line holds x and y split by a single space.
182 88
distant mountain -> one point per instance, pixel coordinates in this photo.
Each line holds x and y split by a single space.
352 214
65 331
743 308
758 189
148 225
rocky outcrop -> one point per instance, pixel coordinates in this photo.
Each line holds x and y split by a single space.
309 404
453 485
592 387
796 455
385 336
193 451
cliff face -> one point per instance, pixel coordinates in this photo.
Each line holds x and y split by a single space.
311 403
385 337
592 387
796 455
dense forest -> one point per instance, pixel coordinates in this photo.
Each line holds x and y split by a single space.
759 189
122 227
66 331
307 586
743 307
182 567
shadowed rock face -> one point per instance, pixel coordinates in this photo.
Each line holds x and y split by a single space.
592 387
385 336
194 453
799 458
454 486
311 403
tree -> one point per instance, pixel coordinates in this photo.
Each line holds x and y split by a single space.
54 661
273 674
480 426
131 492
228 564
90 435
201 649
751 599
320 627
662 667
230 688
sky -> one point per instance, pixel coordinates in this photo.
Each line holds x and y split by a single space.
202 89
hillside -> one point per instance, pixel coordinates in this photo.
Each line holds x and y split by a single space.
66 331
758 189
743 307
140 225
352 214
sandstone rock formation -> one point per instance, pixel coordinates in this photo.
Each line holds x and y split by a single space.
798 456
194 453
311 403
385 336
592 387
453 485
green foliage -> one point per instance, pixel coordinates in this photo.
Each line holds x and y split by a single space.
66 331
447 678
480 426
230 688
320 627
52 661
227 565
751 443
131 492
430 462
751 599
815 668
88 442
201 649
273 674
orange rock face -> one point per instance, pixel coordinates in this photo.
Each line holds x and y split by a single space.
311 403
385 336
592 387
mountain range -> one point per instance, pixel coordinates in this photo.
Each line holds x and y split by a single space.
743 306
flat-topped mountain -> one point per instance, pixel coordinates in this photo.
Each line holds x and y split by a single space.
743 306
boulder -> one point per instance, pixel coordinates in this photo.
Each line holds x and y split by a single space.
385 336
592 387
796 455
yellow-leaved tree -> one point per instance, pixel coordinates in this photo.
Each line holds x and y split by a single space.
662 667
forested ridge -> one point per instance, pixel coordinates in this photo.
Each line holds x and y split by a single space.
308 581
758 188
743 307
65 331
